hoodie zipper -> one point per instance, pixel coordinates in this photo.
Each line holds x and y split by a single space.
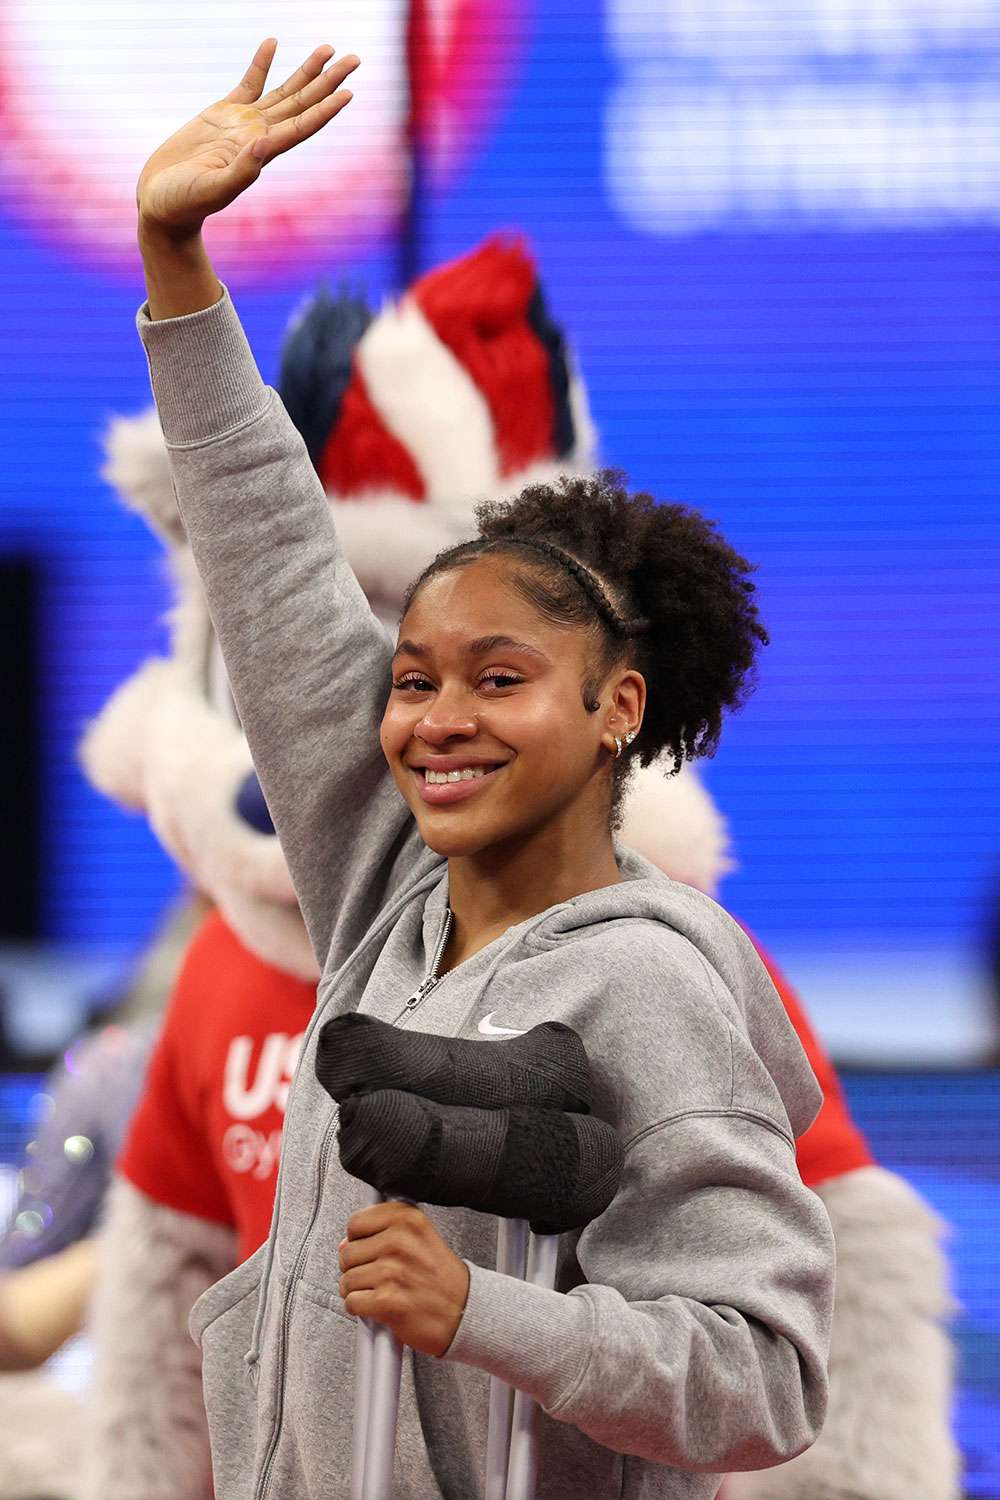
416 999
434 978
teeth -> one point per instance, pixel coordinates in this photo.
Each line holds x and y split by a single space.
470 773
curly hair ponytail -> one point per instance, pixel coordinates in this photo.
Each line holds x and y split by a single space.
657 583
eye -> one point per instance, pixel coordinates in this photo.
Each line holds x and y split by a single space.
499 678
414 682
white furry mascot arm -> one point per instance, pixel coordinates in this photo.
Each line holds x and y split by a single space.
154 1263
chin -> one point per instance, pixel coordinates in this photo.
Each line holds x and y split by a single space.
458 838
453 843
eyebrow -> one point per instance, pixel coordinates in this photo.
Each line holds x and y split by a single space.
479 647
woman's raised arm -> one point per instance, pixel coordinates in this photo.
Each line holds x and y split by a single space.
307 661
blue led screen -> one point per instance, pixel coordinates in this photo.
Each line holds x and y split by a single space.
771 232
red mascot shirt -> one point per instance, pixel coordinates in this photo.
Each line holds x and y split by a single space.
205 1137
833 1145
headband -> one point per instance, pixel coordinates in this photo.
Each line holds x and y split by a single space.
625 629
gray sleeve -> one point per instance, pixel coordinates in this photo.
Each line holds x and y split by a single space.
700 1335
148 1434
307 660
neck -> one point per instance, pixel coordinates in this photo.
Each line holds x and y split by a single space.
500 887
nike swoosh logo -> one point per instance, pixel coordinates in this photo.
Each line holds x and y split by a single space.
488 1029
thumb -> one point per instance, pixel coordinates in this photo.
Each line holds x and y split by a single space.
244 169
262 149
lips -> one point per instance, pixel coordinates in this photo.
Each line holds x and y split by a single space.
458 788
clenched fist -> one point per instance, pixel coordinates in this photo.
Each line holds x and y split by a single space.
398 1270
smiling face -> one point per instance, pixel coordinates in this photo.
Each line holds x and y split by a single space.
486 731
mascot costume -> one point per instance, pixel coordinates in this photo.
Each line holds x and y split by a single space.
48 1250
462 389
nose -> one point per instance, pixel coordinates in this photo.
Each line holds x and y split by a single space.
448 717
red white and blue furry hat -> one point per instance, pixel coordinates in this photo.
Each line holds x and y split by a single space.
463 389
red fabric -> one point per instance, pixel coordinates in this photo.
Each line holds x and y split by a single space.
833 1145
449 54
478 307
205 1137
362 455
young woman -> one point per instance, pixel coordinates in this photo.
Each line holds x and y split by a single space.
584 628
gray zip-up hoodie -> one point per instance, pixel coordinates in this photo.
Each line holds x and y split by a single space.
688 1334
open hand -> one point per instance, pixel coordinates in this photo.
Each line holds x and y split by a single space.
399 1271
218 154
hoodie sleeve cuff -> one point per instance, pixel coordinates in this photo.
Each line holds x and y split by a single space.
529 1336
204 377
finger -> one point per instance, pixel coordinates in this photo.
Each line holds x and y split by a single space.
313 65
252 83
361 1252
380 1216
312 91
382 1272
358 1279
292 132
366 1304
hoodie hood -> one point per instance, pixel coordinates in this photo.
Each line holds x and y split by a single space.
647 893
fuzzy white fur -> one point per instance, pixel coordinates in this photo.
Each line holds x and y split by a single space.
277 934
159 747
674 822
887 1434
180 761
388 542
137 467
583 458
155 1264
429 402
32 1410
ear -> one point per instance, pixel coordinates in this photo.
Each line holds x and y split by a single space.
625 702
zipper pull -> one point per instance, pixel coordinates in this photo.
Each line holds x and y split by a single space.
421 995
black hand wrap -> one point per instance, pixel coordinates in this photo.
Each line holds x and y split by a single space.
557 1170
546 1068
